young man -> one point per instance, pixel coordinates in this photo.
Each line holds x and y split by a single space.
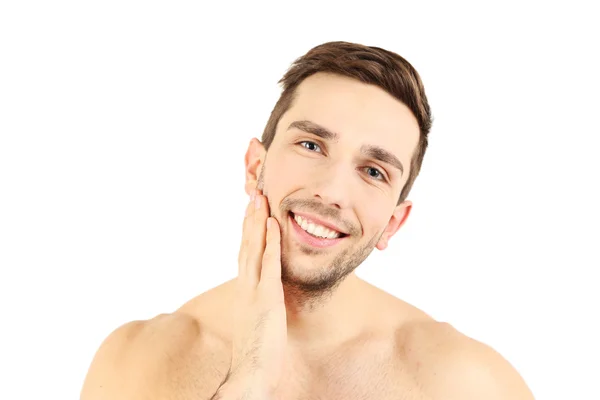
330 178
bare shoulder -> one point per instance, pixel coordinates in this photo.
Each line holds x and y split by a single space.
448 364
153 359
451 365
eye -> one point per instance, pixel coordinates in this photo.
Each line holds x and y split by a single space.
309 143
375 173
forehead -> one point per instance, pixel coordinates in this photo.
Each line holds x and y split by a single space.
358 112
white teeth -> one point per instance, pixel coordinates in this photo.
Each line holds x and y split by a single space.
302 223
320 231
316 230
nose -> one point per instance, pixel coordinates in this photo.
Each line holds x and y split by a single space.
331 185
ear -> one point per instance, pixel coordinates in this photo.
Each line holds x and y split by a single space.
398 219
254 160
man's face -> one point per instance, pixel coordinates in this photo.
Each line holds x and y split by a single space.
335 178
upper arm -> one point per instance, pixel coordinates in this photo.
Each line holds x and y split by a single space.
134 361
466 369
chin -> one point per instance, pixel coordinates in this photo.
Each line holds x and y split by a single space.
303 273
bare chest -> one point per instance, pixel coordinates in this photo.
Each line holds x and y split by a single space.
365 369
346 374
350 377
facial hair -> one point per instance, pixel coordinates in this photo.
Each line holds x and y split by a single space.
310 288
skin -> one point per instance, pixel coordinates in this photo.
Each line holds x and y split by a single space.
344 338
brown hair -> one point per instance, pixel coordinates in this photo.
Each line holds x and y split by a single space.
368 64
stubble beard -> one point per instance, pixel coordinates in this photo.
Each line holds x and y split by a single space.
312 285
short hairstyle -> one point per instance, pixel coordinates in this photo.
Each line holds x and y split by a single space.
368 64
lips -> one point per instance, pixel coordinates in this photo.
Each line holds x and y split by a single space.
305 238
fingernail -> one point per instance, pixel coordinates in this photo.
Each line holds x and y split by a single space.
268 222
253 194
257 202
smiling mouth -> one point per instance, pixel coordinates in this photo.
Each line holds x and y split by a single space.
315 230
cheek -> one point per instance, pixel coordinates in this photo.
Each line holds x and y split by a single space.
276 177
373 216
281 179
285 172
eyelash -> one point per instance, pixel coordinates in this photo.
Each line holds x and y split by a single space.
383 177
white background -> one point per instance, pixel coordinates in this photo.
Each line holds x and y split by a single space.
123 127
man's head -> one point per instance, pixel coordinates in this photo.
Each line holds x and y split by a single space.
343 145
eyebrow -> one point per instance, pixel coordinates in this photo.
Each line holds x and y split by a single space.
372 151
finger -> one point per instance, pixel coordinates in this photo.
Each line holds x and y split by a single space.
256 246
246 234
271 263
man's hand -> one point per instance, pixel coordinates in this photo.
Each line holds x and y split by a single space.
259 331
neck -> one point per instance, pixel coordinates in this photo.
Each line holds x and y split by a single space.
325 318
